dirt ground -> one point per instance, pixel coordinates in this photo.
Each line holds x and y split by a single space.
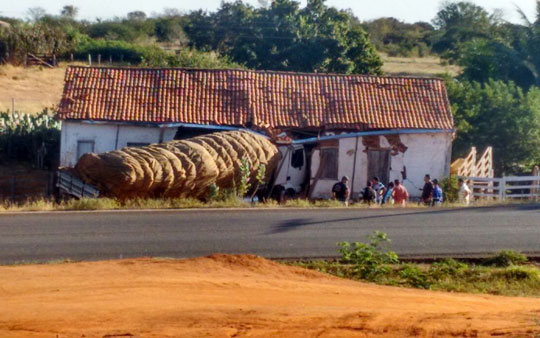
238 296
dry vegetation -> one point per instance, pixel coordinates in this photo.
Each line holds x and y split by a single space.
31 88
426 66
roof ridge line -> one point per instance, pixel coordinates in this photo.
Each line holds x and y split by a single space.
258 71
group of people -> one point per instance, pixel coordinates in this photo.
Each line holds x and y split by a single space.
395 193
374 192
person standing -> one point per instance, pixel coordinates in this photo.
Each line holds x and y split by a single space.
464 193
341 191
437 193
379 190
387 198
368 194
400 194
427 191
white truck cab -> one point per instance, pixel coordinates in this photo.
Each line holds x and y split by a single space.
291 171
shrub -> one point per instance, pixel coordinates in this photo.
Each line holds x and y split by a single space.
505 258
450 188
412 275
370 259
518 273
447 268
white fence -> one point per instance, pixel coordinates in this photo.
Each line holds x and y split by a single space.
526 187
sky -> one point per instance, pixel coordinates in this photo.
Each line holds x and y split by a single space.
405 10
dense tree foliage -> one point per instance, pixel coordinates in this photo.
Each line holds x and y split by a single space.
397 38
498 114
284 36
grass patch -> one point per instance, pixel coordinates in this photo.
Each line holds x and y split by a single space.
225 201
505 273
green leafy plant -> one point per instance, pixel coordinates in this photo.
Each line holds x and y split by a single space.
505 258
213 193
371 260
243 185
261 174
450 188
414 276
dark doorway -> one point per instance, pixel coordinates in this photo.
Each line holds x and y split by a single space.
379 165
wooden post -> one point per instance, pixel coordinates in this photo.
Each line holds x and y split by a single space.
89 59
502 188
54 60
110 59
99 59
71 58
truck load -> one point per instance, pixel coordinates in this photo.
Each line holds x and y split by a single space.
180 168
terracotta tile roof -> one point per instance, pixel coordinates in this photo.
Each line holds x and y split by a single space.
258 98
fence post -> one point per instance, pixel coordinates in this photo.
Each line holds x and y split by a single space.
99 59
89 59
502 188
110 59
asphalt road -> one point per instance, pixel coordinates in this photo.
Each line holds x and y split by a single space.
284 233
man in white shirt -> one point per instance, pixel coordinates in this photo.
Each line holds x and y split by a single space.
379 189
464 192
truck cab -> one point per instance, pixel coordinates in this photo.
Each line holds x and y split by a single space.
291 172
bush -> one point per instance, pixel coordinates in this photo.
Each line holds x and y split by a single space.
518 273
447 267
450 188
412 275
505 258
371 259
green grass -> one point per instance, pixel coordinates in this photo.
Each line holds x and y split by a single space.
446 275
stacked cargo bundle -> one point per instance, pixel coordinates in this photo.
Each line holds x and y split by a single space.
183 168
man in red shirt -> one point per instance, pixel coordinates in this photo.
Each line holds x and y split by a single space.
400 194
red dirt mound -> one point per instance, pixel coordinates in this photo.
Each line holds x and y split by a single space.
237 296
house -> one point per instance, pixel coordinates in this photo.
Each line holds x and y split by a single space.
354 125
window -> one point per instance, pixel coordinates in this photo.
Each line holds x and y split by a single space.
137 144
297 159
84 147
329 163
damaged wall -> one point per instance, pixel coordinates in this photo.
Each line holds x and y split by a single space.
419 154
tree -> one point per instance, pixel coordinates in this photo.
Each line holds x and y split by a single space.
69 11
498 114
136 15
284 36
36 13
460 22
483 60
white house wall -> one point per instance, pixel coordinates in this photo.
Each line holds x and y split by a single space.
105 138
426 154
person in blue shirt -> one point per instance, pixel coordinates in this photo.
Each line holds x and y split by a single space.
437 194
387 198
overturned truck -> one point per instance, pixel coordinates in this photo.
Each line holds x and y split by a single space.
181 168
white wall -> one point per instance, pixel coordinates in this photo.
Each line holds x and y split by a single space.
104 137
426 154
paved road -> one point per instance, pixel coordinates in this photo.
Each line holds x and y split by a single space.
270 233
